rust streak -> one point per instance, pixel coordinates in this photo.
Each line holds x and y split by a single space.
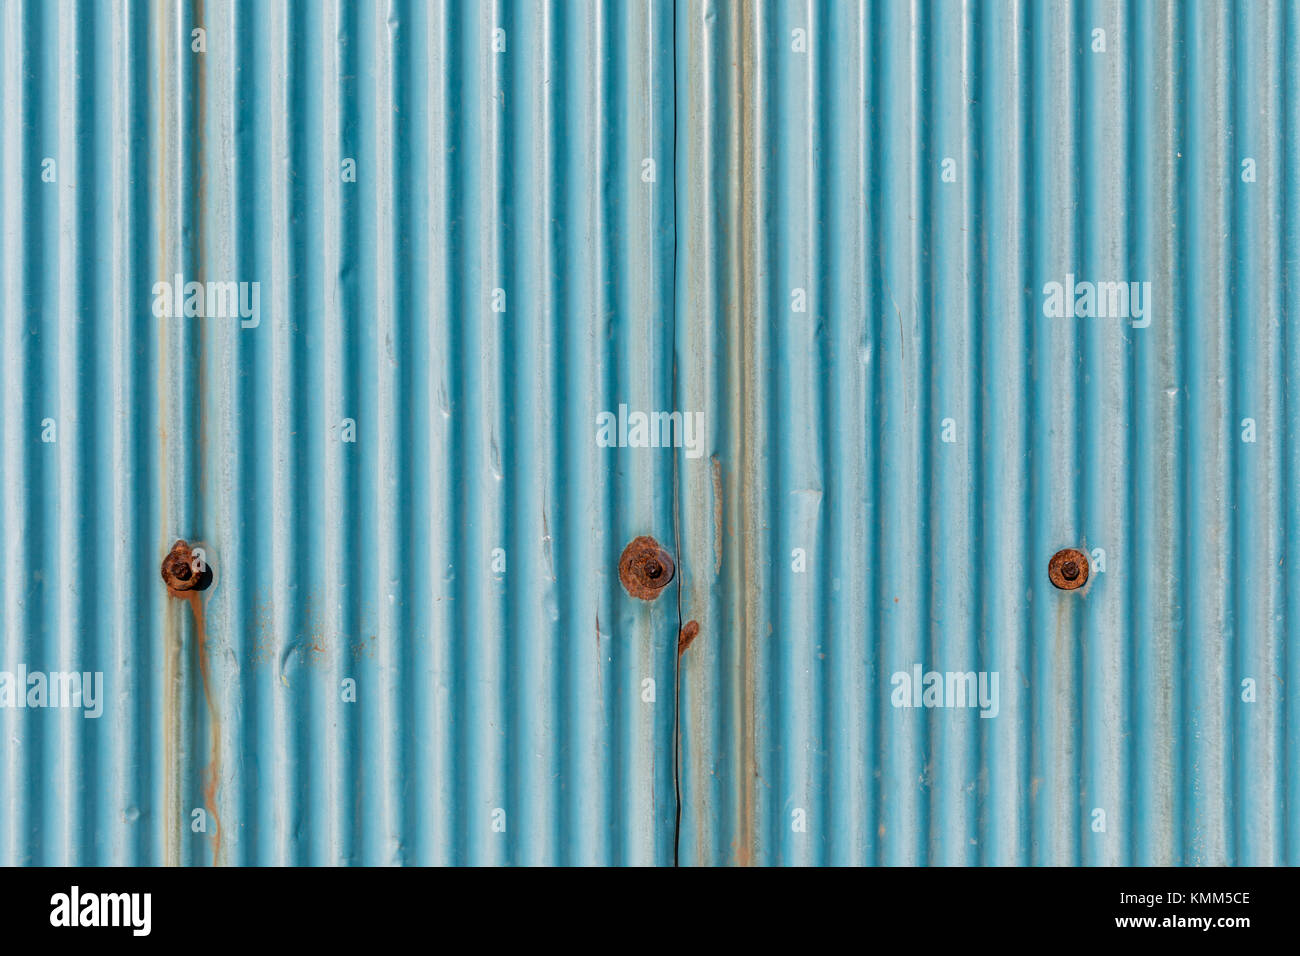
171 733
212 774
186 576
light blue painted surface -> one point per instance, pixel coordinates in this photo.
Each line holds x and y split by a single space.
775 170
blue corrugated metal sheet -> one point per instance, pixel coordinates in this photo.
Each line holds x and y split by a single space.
830 227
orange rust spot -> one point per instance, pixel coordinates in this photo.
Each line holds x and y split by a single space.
364 648
645 568
688 633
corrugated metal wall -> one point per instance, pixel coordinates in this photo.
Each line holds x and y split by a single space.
830 227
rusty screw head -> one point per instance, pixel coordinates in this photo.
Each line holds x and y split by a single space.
1068 569
183 571
645 568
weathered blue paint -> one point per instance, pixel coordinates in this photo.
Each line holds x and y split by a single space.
839 256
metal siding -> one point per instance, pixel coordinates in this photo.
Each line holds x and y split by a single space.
776 170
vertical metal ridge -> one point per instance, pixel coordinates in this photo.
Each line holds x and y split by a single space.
1289 168
1103 438
1157 495
117 813
438 778
848 512
580 505
953 278
1206 816
749 490
219 428
1005 780
66 816
1260 539
445 459
385 464
341 639
902 492
17 398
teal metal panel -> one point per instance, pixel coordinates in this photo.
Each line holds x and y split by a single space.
877 200
842 234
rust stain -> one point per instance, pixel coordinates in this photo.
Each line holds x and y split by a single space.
701 761
171 733
314 645
186 573
364 648
645 568
1068 569
688 634
264 646
212 773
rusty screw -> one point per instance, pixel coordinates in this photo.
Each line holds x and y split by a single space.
645 568
1068 569
182 573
